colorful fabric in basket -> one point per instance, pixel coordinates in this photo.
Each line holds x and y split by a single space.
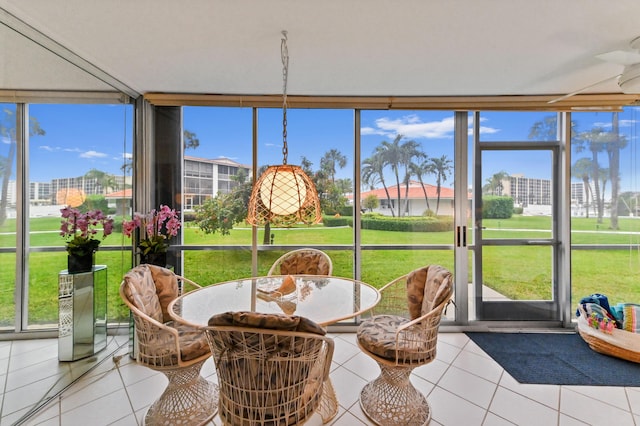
630 316
602 301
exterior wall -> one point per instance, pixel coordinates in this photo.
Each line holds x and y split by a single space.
204 179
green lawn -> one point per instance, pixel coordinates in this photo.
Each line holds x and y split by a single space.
521 273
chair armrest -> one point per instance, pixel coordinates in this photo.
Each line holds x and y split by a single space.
158 343
420 334
393 298
187 284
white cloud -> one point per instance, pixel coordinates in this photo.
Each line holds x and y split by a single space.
93 154
627 123
366 131
127 155
47 148
412 127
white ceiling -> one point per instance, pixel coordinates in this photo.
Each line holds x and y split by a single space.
336 47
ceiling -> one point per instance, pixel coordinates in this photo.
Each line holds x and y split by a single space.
336 47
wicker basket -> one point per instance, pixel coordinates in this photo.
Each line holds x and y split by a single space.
618 343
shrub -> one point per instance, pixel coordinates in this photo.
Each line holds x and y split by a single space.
407 224
494 207
333 221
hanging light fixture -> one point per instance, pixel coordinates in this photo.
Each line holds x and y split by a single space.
284 194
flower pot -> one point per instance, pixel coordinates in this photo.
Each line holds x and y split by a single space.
158 259
77 264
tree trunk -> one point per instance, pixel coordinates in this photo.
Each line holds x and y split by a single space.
614 170
266 240
5 181
596 183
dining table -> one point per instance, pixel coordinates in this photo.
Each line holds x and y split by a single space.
323 299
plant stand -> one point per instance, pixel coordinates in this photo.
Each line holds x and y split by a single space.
82 318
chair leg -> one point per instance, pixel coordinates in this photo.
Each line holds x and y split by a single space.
189 399
328 403
391 399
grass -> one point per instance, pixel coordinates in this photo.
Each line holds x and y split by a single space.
520 273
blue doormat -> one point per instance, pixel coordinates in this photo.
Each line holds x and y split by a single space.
556 359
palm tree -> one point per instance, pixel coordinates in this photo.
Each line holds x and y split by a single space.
8 134
105 181
442 167
613 152
409 151
594 140
581 169
494 183
191 141
391 155
329 160
419 170
373 172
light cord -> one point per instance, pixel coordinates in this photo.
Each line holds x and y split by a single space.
284 53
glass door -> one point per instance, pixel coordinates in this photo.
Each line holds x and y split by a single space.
515 234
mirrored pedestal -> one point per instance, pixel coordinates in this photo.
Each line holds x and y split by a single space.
82 318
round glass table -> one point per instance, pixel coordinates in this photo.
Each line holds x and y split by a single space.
323 299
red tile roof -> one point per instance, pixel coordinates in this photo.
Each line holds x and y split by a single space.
126 193
415 191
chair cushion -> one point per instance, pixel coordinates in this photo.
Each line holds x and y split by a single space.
166 284
193 342
159 349
141 292
268 321
426 288
282 372
306 263
378 336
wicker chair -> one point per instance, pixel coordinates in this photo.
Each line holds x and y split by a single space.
401 338
305 261
271 369
177 351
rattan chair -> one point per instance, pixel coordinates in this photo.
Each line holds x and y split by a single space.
271 369
401 337
176 350
305 261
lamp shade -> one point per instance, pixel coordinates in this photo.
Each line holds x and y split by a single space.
284 195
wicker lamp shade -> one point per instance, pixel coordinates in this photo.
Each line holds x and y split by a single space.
284 195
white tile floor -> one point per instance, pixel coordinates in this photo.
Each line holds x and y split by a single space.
463 385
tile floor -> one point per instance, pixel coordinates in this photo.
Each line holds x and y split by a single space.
464 386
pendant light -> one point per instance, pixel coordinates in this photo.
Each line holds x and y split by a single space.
284 194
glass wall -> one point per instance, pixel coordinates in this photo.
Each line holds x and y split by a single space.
402 166
408 173
605 191
8 225
69 155
218 166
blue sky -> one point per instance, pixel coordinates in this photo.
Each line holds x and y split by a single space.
80 138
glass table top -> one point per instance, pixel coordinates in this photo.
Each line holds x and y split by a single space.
323 299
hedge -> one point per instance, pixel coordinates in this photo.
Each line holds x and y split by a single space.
497 207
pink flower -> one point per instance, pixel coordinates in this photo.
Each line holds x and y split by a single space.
75 224
156 227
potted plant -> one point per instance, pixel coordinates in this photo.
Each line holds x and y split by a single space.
156 227
80 230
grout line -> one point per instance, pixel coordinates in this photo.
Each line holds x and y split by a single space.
116 361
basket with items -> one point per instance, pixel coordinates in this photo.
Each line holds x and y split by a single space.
611 330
